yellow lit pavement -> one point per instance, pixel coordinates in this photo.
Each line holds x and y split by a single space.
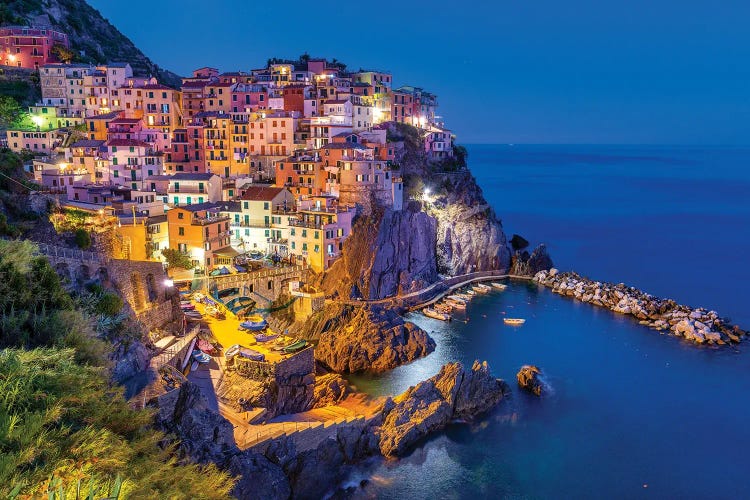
228 333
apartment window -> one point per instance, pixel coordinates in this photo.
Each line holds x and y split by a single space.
181 231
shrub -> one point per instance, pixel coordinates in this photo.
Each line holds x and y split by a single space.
109 304
175 258
82 239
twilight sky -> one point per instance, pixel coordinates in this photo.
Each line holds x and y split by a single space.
505 71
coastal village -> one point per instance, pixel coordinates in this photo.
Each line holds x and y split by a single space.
267 229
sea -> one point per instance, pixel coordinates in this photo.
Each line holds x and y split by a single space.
630 412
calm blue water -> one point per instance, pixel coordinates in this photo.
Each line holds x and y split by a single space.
633 414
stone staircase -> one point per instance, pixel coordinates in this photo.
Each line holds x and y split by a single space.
306 435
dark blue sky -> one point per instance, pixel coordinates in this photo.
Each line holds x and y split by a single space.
533 71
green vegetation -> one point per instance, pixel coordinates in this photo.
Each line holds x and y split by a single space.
60 418
63 428
82 238
175 258
10 111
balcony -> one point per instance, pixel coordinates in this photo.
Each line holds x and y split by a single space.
186 190
203 221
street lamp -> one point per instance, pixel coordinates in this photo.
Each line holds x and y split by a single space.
37 121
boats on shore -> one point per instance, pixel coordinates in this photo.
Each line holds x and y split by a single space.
266 337
499 286
480 288
514 321
200 356
432 313
294 347
251 354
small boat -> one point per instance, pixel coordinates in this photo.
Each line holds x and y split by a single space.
456 304
232 351
187 306
462 296
499 286
254 326
457 298
214 312
432 313
469 292
481 288
266 337
200 356
282 343
294 347
514 321
193 314
205 346
251 354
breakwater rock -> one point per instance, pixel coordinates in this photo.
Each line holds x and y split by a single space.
696 325
528 379
454 393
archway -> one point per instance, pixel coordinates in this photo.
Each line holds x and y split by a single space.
151 288
136 285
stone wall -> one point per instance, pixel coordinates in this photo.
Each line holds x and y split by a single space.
269 283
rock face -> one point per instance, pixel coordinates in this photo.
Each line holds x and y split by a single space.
525 264
205 435
388 253
696 325
528 379
470 237
130 361
329 390
371 338
431 405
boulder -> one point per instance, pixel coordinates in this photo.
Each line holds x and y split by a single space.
528 379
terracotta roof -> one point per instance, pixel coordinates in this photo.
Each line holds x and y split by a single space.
261 193
128 142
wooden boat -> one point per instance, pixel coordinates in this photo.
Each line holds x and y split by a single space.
187 306
251 354
200 356
266 337
193 315
254 326
432 313
232 351
499 286
514 321
214 312
457 298
296 346
456 304
205 346
281 343
480 288
470 292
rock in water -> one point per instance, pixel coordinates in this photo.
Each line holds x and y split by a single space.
431 405
528 379
525 264
368 339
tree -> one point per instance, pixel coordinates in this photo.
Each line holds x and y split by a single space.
63 53
175 258
10 111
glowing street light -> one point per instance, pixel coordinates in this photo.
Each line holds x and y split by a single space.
38 121
168 283
11 58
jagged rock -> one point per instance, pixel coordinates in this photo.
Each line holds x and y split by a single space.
205 436
525 264
329 390
130 361
258 478
387 253
528 379
518 242
470 237
372 339
432 404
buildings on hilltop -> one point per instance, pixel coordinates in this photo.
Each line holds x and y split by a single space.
275 161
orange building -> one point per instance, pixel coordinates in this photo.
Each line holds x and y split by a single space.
199 231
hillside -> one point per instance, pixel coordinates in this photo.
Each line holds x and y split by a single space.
92 37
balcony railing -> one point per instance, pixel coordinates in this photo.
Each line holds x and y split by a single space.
202 221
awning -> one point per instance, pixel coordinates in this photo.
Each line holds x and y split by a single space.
226 252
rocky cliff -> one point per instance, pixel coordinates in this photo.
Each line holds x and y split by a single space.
372 338
388 253
470 237
92 37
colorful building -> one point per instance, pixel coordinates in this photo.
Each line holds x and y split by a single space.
30 46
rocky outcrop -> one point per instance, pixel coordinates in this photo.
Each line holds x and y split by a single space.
258 477
528 379
699 325
470 237
525 264
205 436
373 338
452 394
388 253
330 389
129 361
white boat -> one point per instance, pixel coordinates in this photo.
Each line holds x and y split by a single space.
514 321
432 313
499 286
469 291
456 304
458 298
481 288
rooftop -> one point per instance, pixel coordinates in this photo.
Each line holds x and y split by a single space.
261 193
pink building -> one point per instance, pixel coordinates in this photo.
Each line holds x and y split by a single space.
29 47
